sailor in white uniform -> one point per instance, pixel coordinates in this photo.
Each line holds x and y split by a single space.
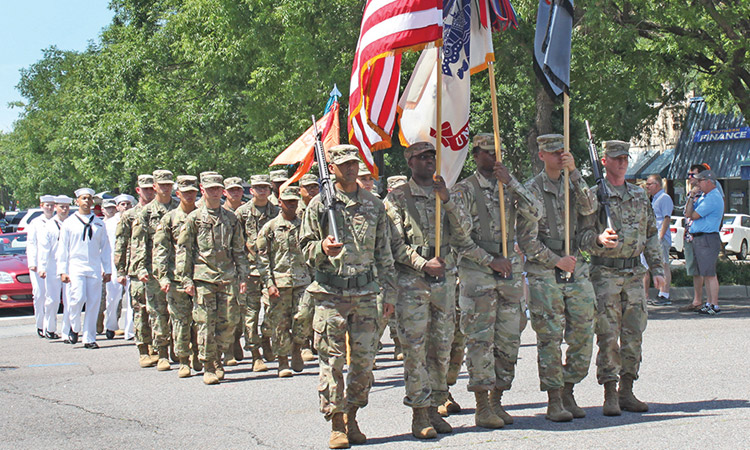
47 203
47 239
124 203
84 261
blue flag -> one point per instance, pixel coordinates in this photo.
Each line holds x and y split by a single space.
554 27
334 97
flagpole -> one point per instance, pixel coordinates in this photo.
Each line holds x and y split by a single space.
498 154
438 145
566 181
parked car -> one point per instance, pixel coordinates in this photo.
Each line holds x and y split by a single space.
15 283
677 229
28 217
735 234
13 220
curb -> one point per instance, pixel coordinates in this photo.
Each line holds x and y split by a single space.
687 293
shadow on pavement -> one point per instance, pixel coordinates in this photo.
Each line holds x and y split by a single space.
730 309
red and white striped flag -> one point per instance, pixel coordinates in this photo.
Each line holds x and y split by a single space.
389 27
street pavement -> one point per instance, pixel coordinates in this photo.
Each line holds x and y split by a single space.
694 376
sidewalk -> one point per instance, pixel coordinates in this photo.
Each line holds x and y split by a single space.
686 293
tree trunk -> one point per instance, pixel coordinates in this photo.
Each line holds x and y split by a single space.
545 106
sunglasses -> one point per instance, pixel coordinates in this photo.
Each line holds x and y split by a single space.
691 175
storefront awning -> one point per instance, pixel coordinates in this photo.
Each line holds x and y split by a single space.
639 160
659 166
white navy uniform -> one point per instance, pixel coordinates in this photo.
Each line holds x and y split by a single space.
33 231
48 238
114 290
84 253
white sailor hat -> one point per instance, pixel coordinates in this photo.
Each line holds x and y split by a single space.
125 198
63 200
47 199
84 191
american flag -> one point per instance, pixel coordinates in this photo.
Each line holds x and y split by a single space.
389 27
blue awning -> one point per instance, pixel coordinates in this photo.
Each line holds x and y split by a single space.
659 166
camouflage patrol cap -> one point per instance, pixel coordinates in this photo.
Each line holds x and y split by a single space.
342 153
417 149
550 143
279 176
308 179
396 181
163 177
208 172
145 181
260 180
187 183
614 149
212 180
232 182
290 193
363 170
484 141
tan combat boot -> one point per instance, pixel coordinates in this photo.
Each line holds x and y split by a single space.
628 401
496 400
484 416
154 352
611 402
229 358
437 421
353 433
298 364
219 369
184 370
338 437
555 410
163 363
449 407
284 371
144 359
398 353
421 428
209 375
569 402
258 364
307 353
265 344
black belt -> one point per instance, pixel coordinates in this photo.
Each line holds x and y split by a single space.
703 234
616 263
344 282
429 252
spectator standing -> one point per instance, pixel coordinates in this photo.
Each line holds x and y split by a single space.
706 213
663 205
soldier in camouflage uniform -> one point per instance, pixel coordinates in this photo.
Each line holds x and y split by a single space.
215 258
489 302
426 306
124 250
278 177
344 292
285 276
617 276
559 309
308 188
179 302
233 192
144 226
256 213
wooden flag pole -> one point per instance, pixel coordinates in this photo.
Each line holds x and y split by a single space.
566 180
438 146
498 154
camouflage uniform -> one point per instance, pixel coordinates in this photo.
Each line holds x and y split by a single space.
124 249
281 263
565 309
621 314
425 310
144 227
164 261
235 310
490 306
254 219
344 290
214 259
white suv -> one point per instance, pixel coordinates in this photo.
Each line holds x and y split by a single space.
735 234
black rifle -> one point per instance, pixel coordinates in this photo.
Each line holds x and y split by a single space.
327 191
602 193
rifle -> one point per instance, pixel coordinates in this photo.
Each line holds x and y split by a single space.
602 193
327 191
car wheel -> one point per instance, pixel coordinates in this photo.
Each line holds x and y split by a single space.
743 251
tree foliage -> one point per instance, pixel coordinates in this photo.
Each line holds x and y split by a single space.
194 85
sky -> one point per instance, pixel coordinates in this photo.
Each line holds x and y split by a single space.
29 26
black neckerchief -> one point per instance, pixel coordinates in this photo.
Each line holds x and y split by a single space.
87 226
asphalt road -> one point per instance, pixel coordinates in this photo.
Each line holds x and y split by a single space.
694 376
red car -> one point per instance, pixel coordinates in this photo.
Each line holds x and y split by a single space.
15 283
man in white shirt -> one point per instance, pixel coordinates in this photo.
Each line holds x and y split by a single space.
84 261
113 289
47 203
47 239
124 203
